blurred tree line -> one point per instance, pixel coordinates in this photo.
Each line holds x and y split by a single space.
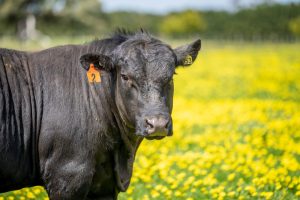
32 19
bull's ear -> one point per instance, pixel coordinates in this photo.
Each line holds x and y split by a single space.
100 61
187 54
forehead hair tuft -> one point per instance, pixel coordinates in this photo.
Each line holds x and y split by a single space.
123 35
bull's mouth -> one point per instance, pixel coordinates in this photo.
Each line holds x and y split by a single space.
154 137
158 136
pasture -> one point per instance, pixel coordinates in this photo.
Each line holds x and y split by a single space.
236 129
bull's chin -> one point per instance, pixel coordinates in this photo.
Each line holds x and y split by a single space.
154 137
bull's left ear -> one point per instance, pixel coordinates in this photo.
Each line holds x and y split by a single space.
100 61
187 54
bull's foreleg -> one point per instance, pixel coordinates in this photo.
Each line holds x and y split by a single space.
70 181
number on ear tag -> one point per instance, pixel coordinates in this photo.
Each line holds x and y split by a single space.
93 74
188 60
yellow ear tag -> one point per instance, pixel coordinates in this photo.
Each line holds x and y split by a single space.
188 60
93 74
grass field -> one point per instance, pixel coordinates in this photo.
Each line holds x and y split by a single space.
236 130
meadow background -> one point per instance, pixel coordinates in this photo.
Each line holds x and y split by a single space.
236 109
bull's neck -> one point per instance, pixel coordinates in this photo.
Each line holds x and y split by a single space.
124 154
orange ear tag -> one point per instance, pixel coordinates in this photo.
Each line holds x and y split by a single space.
93 74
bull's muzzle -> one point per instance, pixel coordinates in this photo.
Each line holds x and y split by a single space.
158 126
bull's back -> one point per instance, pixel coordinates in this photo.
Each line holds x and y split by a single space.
17 122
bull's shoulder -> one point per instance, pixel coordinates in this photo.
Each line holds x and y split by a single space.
10 52
59 54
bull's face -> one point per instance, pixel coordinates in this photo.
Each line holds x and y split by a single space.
144 83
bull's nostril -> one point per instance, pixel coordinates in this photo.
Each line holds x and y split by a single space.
149 124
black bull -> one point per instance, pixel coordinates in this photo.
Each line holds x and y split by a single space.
72 117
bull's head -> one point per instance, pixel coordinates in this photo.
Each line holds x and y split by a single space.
144 70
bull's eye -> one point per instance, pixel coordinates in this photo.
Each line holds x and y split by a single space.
124 77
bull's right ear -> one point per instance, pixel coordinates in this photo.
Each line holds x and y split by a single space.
100 61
